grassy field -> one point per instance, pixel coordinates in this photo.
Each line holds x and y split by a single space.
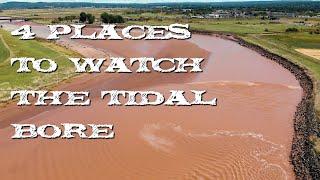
4 51
273 37
46 16
270 35
286 45
10 80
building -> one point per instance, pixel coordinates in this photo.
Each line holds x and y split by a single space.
7 19
219 14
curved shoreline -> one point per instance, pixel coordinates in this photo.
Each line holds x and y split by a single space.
305 162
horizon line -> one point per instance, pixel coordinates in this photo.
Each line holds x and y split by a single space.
164 2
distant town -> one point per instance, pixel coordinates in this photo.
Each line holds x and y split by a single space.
235 13
216 10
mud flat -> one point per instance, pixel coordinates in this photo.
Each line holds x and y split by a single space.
247 136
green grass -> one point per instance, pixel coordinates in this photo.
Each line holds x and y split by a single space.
282 44
238 26
275 40
4 51
267 34
285 45
278 42
11 80
297 40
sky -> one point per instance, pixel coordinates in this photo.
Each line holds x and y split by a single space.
124 1
116 1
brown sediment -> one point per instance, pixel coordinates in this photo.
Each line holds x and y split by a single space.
304 159
247 136
306 124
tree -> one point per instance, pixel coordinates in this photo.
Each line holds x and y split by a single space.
90 18
292 30
83 17
118 19
105 17
109 18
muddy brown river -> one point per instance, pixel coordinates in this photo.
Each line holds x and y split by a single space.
247 136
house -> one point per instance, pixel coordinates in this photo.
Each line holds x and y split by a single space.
7 19
198 17
219 14
4 19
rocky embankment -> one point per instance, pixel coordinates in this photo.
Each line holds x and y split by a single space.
305 161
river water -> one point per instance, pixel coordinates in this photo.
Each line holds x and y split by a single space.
247 136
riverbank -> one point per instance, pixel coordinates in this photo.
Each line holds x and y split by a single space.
305 161
13 47
263 147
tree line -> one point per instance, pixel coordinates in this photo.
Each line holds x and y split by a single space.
90 18
105 18
86 18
